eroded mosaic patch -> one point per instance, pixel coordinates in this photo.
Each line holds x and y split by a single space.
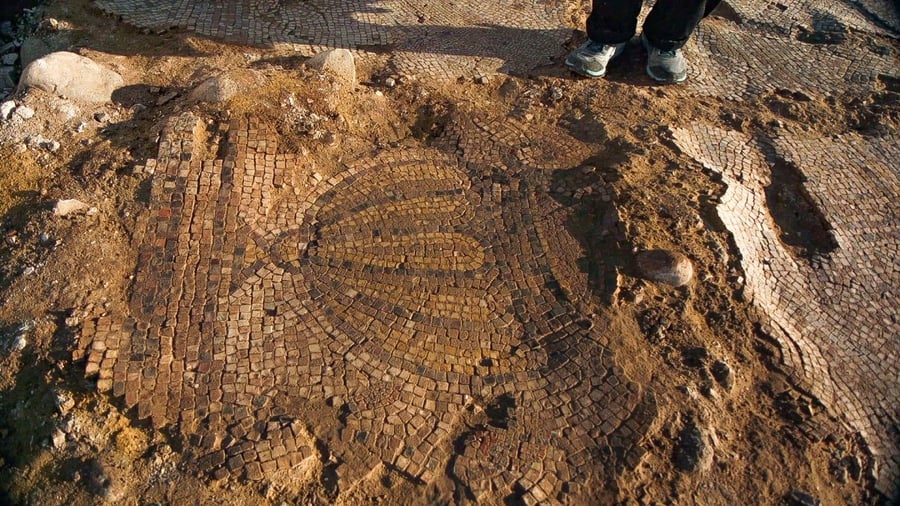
417 293
828 281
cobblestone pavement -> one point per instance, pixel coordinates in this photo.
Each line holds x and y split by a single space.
827 280
407 290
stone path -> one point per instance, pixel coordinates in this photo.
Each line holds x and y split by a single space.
827 277
407 290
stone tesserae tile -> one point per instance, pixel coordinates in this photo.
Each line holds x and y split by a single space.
404 291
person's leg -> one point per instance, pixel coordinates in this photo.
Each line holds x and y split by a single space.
671 22
613 21
611 24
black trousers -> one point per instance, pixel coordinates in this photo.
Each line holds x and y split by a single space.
667 27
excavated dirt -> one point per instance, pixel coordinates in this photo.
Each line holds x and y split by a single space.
421 288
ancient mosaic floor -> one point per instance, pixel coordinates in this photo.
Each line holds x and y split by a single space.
256 298
417 291
831 296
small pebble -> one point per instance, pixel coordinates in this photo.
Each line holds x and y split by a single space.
58 438
23 112
665 266
6 109
19 343
801 498
64 403
721 371
693 452
555 94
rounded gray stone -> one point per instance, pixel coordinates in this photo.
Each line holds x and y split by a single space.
693 452
72 76
214 90
664 266
337 62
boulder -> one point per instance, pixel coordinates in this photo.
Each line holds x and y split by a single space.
337 62
214 90
665 266
73 76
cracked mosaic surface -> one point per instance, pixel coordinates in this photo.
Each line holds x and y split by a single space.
833 304
417 292
733 62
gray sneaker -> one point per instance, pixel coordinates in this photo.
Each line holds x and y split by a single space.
590 59
665 66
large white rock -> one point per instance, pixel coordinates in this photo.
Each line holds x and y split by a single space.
214 90
69 206
72 76
338 62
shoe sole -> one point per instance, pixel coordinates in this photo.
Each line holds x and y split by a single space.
574 67
666 80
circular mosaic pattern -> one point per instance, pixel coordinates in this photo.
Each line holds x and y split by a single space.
416 293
